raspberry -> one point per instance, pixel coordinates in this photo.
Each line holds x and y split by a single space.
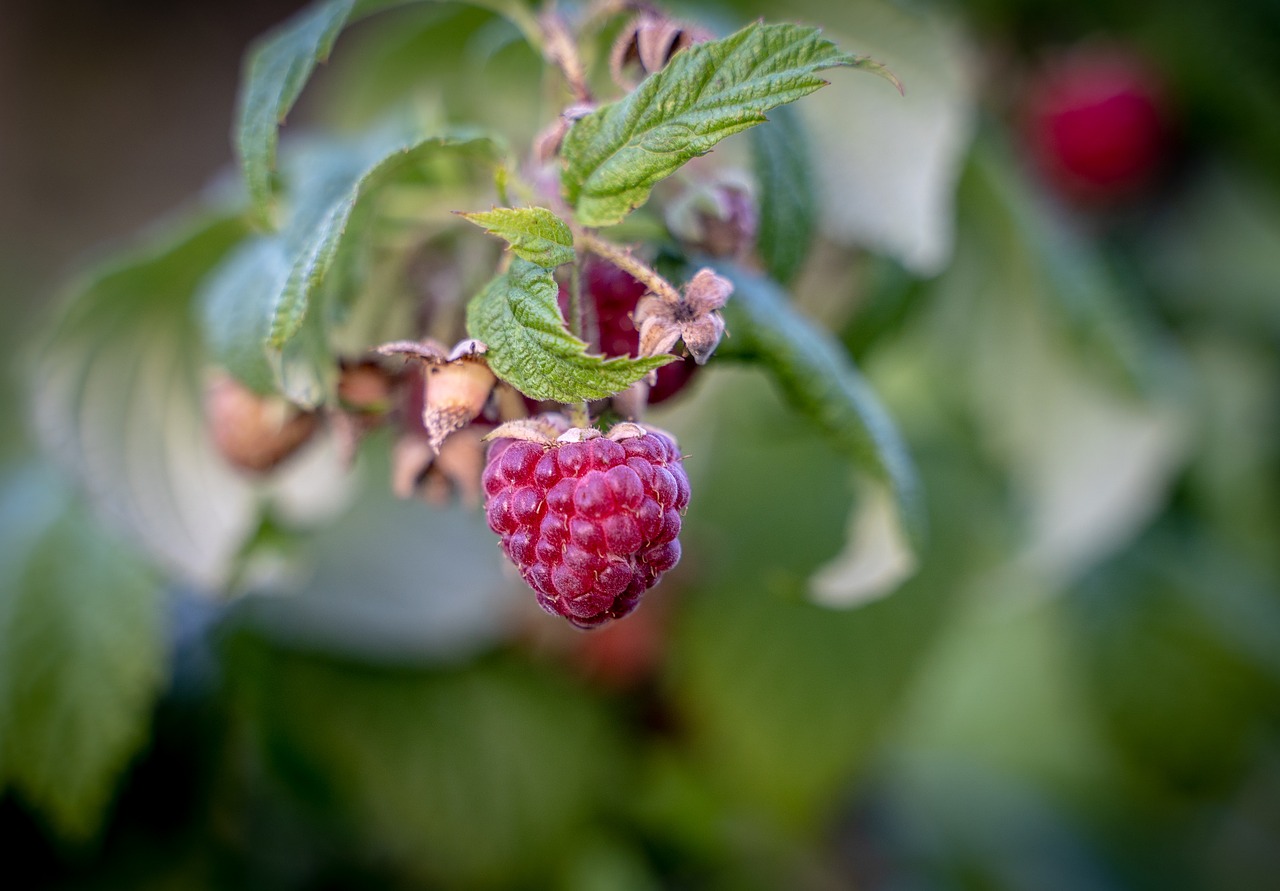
590 524
1096 123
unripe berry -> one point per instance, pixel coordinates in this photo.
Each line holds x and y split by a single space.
591 522
251 431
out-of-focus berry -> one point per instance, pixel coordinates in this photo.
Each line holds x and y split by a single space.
253 432
1096 123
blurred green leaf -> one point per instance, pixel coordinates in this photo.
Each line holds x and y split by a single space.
820 381
788 205
615 155
117 390
1069 273
279 65
262 314
518 317
1179 644
534 233
81 654
471 777
786 701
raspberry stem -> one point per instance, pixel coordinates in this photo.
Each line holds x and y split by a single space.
625 260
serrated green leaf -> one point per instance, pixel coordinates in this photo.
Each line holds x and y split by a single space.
276 70
279 65
518 317
318 246
822 383
81 655
615 155
788 206
534 233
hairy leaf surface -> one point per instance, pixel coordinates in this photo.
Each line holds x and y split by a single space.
518 317
615 155
534 233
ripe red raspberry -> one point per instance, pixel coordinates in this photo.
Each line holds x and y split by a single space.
591 525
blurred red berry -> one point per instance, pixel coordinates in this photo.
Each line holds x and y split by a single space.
1096 123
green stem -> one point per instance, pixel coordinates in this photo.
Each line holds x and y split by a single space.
625 260
579 413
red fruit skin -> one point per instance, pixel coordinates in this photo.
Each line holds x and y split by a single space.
614 294
590 525
1096 124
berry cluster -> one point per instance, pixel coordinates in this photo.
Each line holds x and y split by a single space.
590 524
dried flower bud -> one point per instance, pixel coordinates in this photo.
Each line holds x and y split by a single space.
458 384
695 318
649 41
546 145
254 432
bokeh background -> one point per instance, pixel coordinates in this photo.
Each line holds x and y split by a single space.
1056 259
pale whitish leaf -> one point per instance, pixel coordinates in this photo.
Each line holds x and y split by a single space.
117 393
117 390
822 383
81 655
518 317
615 155
875 559
534 233
788 204
279 65
888 164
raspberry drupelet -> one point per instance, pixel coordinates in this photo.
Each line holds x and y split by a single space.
590 524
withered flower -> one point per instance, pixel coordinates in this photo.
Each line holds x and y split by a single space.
649 41
694 318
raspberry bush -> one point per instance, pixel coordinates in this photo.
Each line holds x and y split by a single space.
409 361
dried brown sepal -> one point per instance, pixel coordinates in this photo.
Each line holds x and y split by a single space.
544 429
252 432
693 318
627 430
458 383
648 43
579 434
